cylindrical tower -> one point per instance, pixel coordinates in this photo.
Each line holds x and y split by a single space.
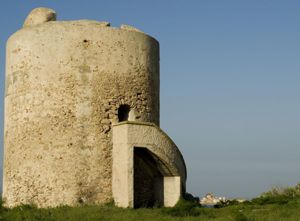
67 82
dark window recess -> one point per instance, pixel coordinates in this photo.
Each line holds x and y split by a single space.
123 112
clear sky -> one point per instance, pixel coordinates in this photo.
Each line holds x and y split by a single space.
230 82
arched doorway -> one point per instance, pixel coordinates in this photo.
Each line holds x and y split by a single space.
148 179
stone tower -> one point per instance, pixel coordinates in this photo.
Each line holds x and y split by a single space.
82 117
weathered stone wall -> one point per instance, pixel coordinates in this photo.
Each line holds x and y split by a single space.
65 81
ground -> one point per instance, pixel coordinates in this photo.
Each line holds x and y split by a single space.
288 210
278 204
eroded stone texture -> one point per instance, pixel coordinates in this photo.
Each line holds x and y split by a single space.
65 81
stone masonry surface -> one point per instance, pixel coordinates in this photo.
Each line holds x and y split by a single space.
68 84
65 81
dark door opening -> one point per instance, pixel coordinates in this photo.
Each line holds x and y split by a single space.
148 180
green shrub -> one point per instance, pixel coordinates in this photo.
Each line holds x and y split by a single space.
278 195
222 204
183 208
241 217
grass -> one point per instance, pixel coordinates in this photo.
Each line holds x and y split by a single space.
183 211
279 204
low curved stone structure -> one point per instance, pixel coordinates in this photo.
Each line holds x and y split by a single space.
165 181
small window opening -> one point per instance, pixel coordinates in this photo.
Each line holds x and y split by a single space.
123 112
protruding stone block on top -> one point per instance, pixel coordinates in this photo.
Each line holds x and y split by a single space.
39 16
104 24
130 28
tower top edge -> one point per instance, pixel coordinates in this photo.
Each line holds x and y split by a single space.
41 15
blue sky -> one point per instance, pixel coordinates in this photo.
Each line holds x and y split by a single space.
230 76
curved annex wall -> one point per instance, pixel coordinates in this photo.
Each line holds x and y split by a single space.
130 135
